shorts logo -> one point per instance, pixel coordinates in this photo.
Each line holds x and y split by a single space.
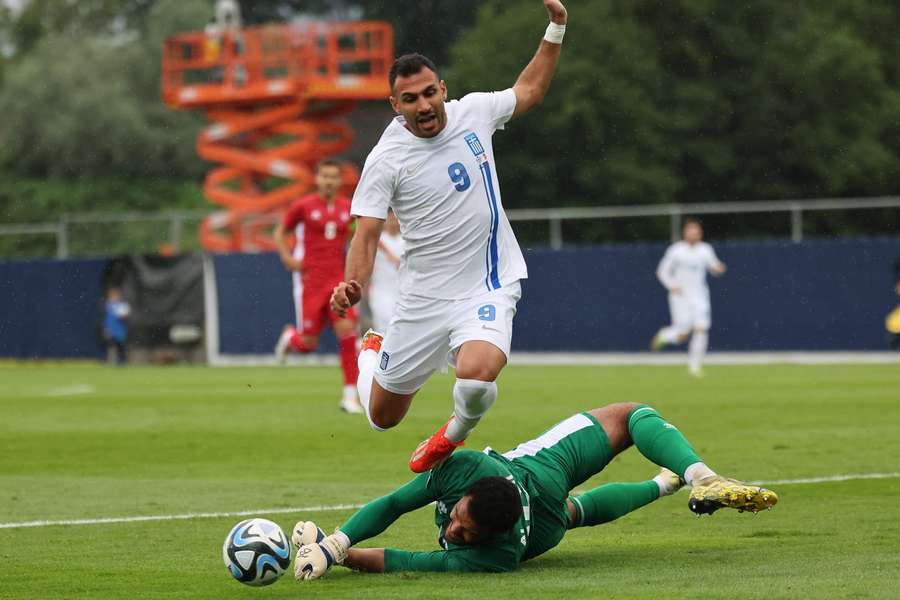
385 357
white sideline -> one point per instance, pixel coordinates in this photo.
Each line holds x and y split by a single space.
602 359
308 509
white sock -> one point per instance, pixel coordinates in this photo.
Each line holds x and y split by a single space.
366 362
696 472
663 483
669 335
697 349
471 399
350 392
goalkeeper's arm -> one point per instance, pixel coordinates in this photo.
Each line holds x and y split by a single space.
460 560
378 515
316 553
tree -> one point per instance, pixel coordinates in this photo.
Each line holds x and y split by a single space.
88 105
694 100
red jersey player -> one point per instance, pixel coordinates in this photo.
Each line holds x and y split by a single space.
320 222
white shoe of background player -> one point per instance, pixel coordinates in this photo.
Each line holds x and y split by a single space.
284 343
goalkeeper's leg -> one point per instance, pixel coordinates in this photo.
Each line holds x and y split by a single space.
613 500
660 442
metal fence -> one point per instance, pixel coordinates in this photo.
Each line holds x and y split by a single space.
170 227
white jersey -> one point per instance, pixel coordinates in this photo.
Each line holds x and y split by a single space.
685 266
446 195
385 274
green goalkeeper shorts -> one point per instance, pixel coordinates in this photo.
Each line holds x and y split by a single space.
561 459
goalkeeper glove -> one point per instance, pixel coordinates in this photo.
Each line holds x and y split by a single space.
314 560
306 533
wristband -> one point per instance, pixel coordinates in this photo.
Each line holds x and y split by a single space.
555 33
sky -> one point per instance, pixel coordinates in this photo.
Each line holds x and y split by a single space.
16 5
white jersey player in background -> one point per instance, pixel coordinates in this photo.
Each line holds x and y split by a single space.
459 285
682 271
384 286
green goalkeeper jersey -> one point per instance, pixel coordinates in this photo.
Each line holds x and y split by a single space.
445 485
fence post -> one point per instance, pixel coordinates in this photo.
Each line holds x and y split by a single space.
62 239
675 224
175 229
796 224
556 239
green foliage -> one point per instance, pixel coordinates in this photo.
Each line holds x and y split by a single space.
87 105
660 101
29 200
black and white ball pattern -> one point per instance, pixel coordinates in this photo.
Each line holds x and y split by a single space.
256 552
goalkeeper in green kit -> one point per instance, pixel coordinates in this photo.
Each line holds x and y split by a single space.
494 511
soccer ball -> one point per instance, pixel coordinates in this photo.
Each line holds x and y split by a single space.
256 552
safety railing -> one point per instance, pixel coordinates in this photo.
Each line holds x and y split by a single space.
170 229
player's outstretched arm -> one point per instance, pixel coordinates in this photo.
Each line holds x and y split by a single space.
316 554
360 260
534 81
370 560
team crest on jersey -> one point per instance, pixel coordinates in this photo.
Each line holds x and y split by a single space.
316 215
476 147
385 357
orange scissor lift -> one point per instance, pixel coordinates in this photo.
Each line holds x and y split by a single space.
275 96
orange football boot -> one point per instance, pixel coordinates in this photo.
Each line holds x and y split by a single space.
433 451
372 341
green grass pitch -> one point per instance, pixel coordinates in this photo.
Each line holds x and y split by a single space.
84 442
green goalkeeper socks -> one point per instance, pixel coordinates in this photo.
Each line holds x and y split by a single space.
611 501
659 441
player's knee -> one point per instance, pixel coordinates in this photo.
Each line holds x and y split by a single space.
382 420
613 418
477 371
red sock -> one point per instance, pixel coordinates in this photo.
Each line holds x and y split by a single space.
347 348
299 345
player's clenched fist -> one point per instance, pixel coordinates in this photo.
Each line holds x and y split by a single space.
345 295
557 11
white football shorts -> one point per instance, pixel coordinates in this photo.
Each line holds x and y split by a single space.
425 334
689 312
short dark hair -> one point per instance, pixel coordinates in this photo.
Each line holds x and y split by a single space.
494 504
692 221
409 64
327 162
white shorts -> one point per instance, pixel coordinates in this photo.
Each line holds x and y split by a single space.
425 334
689 312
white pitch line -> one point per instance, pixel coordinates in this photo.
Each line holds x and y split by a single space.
829 478
308 509
183 517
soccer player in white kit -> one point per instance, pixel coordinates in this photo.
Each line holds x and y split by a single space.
384 286
434 165
682 271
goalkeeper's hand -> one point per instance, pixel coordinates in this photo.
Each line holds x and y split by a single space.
314 560
306 533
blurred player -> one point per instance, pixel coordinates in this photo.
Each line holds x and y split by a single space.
116 312
384 286
682 271
434 165
494 511
320 222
